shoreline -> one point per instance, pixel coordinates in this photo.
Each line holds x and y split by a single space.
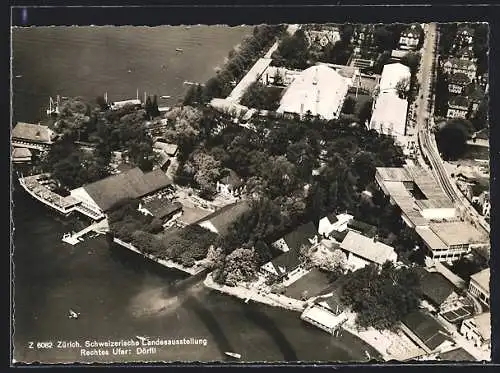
243 293
164 262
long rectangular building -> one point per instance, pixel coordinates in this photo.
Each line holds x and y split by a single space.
416 193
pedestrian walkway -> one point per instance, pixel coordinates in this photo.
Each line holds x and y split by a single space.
98 227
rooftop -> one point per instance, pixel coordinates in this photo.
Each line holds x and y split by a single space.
460 101
223 218
300 236
392 74
161 208
458 354
389 114
367 248
21 153
286 262
169 149
482 278
365 228
319 89
483 323
427 329
129 184
457 233
461 63
32 132
435 286
460 79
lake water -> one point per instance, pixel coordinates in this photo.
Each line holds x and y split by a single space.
119 294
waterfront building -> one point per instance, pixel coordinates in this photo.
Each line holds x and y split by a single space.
478 330
410 37
416 193
230 184
104 194
455 65
458 82
326 312
318 91
426 332
287 264
21 155
221 220
161 209
362 251
449 241
304 235
458 107
479 286
32 136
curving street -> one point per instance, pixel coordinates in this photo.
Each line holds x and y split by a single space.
424 123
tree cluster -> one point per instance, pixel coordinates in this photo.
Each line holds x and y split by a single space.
239 266
293 51
381 298
452 138
259 96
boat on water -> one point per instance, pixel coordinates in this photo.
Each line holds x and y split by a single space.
233 354
179 50
73 314
165 97
19 76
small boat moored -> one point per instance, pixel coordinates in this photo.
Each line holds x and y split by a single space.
165 97
73 314
179 50
233 354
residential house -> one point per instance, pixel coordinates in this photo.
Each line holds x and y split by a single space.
464 35
221 220
170 149
478 330
426 332
21 155
101 196
455 65
306 234
326 312
230 184
410 37
397 55
437 290
322 37
449 241
483 200
161 209
479 286
332 222
362 251
361 227
476 94
458 107
458 82
466 53
283 266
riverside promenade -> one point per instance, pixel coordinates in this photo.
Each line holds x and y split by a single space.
251 293
197 268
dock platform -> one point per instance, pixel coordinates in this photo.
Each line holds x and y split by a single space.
99 227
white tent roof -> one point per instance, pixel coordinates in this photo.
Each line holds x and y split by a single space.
392 74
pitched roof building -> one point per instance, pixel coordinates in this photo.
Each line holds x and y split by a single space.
33 133
479 286
363 250
283 265
389 115
392 74
319 90
102 195
221 220
435 287
304 235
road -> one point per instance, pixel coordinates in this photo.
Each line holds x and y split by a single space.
424 124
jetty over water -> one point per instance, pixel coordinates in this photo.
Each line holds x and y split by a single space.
36 186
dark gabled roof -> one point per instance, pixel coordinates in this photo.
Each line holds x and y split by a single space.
126 185
32 132
460 101
223 218
339 236
427 329
332 297
332 218
286 262
435 287
460 79
458 354
300 236
368 230
161 208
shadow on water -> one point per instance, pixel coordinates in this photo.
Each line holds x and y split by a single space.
265 323
207 317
